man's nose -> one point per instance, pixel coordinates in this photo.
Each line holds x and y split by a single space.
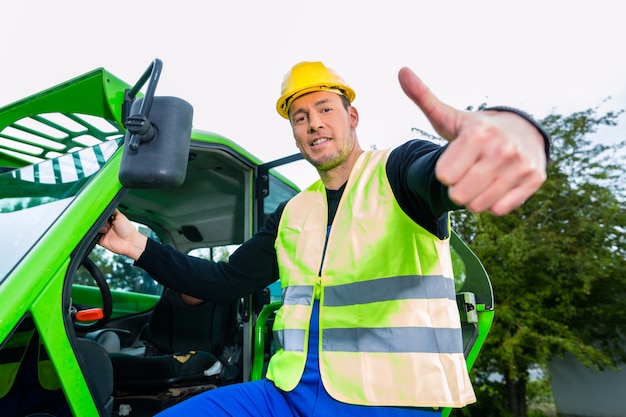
315 122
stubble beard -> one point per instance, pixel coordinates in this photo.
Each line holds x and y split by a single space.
331 161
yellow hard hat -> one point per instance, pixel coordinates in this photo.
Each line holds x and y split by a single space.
306 77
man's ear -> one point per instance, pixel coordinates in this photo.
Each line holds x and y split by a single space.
354 117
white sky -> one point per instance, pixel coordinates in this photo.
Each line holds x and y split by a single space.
228 58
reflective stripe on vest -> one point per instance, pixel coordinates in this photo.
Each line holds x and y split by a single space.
387 302
388 289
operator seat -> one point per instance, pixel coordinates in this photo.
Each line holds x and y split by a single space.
186 339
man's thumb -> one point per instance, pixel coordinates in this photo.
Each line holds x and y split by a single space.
440 115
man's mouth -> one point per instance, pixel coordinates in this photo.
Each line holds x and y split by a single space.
319 141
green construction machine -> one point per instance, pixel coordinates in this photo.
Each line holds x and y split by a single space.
82 331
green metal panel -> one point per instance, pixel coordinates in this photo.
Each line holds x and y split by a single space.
31 130
48 312
39 137
260 330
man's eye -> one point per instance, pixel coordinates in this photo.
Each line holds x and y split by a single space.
299 119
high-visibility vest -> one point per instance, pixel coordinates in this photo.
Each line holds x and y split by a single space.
14 352
390 331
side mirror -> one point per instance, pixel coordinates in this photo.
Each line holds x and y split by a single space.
159 160
156 145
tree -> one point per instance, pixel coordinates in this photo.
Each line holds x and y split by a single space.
557 266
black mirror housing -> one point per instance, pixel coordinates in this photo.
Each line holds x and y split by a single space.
160 160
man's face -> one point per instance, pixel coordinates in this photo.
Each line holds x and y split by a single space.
324 130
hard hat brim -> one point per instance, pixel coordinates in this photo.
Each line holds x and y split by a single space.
284 102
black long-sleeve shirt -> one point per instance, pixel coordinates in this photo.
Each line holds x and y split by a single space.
411 172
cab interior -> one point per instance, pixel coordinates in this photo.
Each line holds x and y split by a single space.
166 346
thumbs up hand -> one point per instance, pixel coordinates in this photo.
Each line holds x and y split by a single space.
495 160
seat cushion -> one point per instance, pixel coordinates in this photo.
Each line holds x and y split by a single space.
150 372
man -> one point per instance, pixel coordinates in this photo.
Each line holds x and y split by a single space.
369 323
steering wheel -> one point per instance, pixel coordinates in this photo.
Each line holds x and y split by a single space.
107 299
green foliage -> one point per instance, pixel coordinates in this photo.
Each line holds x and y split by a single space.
540 399
460 273
557 262
119 273
491 402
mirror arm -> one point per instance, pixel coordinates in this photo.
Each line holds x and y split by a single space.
138 125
